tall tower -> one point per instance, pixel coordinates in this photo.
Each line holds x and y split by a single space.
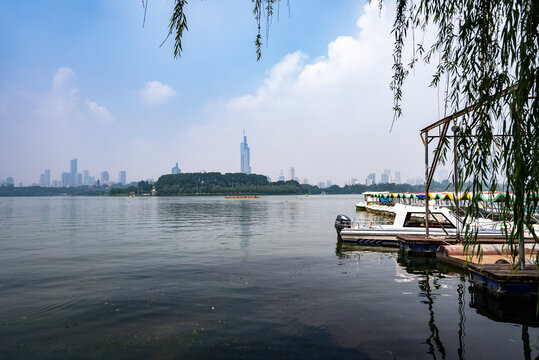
245 153
73 172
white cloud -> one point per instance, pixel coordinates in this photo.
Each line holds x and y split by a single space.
100 112
65 104
155 93
63 80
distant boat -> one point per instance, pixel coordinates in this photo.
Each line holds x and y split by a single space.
242 197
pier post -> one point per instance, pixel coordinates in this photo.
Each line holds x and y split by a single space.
427 184
455 129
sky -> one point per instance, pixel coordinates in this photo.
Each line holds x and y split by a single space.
86 80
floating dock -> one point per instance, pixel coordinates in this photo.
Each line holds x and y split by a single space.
492 269
421 245
503 280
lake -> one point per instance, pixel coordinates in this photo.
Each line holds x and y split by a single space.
208 277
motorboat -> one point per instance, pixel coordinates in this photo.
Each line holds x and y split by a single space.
410 220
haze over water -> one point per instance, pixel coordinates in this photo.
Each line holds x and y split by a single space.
208 277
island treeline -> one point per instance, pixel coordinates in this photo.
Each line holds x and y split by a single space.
214 183
10 190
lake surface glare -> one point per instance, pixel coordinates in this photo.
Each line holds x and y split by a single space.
208 277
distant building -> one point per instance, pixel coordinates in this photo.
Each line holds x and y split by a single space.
281 176
10 182
67 180
245 154
397 178
371 179
385 177
305 182
329 183
122 177
85 178
321 184
45 178
79 179
105 178
73 172
176 169
291 173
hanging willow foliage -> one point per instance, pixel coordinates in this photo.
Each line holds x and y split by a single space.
262 9
488 55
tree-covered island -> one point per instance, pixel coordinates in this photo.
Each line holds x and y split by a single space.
214 183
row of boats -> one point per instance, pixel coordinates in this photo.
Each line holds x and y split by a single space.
411 220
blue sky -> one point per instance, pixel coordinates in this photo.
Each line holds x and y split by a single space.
83 79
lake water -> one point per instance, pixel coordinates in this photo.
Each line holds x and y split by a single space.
208 277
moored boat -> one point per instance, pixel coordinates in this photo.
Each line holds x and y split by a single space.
410 220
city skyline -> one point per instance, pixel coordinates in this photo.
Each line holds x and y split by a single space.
319 103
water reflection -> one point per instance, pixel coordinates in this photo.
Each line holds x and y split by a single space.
430 273
505 310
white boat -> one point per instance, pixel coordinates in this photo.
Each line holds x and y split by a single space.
410 220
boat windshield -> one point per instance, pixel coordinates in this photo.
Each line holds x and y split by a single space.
418 220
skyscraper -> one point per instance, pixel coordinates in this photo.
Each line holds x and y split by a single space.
47 175
105 178
45 178
371 179
397 178
122 177
291 173
176 169
245 153
73 172
66 179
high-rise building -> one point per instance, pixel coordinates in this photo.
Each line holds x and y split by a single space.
73 172
371 179
176 169
105 178
45 178
245 154
291 173
67 180
397 178
122 177
85 177
385 177
47 174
